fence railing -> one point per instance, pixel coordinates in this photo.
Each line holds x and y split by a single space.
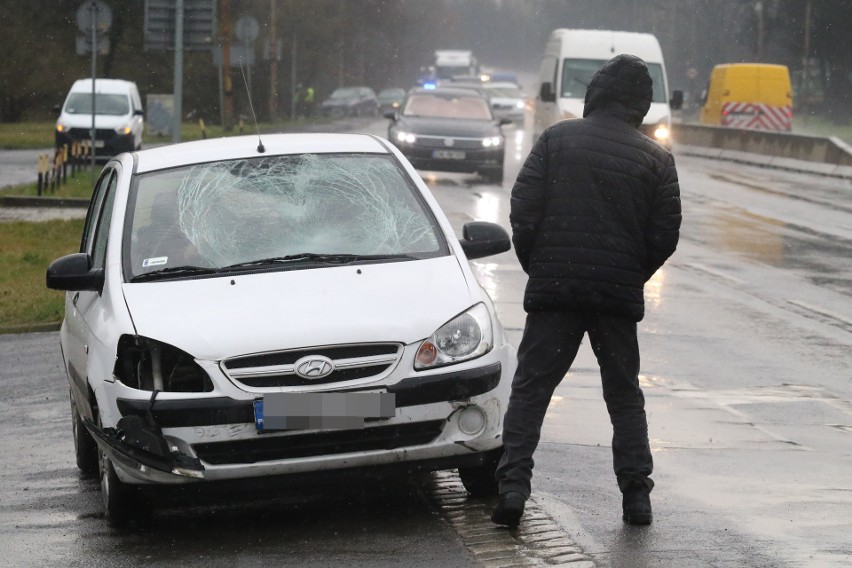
53 170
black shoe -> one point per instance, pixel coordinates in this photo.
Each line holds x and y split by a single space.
509 509
636 504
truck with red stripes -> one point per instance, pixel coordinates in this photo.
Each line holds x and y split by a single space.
749 95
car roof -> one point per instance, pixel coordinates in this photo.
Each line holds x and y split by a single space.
106 86
457 91
237 147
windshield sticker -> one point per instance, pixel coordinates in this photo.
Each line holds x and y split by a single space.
156 261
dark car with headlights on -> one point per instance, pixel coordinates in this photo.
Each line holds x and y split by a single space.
449 129
351 101
390 99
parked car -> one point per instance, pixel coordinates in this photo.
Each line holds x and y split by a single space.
449 129
390 99
507 100
118 116
187 363
351 101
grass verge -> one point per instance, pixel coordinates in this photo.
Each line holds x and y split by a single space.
78 185
28 248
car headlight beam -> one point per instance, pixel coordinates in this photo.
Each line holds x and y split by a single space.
662 132
467 336
492 141
406 137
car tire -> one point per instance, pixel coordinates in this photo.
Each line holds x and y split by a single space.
479 480
85 447
123 503
493 175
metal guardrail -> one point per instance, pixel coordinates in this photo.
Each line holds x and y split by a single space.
814 154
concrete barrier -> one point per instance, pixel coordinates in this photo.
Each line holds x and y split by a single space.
817 154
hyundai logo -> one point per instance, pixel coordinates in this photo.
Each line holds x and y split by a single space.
314 367
449 142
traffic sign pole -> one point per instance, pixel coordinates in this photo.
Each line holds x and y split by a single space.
178 86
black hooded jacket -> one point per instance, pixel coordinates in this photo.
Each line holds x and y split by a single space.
595 210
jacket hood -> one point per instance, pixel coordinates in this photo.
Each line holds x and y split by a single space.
622 86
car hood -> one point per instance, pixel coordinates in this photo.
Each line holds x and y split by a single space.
215 318
339 102
101 120
448 127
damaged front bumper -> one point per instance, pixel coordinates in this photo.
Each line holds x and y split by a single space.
137 445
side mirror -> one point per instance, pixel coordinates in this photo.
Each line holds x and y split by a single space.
391 114
74 272
505 120
676 101
139 112
546 93
481 238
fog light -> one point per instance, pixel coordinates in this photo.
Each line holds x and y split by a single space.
471 420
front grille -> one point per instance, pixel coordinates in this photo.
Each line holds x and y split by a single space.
83 133
457 143
268 448
278 369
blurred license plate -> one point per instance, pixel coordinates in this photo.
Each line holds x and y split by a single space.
448 154
321 411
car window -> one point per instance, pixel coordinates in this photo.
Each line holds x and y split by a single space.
447 106
81 103
104 221
218 214
95 207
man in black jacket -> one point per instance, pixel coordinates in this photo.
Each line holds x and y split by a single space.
595 212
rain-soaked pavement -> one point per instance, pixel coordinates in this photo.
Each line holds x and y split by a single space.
747 361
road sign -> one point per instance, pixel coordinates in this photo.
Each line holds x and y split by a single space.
199 25
247 29
94 11
84 45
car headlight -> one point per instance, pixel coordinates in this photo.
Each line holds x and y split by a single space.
661 132
492 141
406 137
467 336
61 127
519 104
124 130
146 364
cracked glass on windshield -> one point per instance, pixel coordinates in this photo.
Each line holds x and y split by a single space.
223 213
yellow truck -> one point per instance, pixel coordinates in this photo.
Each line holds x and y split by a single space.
749 95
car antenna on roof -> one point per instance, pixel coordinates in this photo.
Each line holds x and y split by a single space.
260 147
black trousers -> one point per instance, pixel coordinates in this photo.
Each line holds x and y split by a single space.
548 348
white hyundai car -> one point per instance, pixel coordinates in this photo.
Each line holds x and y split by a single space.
244 309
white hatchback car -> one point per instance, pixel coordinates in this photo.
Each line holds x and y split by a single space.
243 310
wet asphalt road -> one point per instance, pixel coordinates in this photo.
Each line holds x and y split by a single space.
747 361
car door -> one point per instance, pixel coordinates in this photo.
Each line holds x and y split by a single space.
82 306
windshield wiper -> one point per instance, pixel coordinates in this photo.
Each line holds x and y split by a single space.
322 258
174 271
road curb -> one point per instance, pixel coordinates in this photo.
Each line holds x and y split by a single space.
30 327
774 162
538 541
54 202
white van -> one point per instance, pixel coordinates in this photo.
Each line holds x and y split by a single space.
118 116
570 59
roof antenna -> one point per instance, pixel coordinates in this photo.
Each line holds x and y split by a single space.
260 147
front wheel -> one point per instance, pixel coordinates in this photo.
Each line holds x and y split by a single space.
479 480
493 175
85 448
123 502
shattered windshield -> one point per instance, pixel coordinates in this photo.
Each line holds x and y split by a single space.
272 209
